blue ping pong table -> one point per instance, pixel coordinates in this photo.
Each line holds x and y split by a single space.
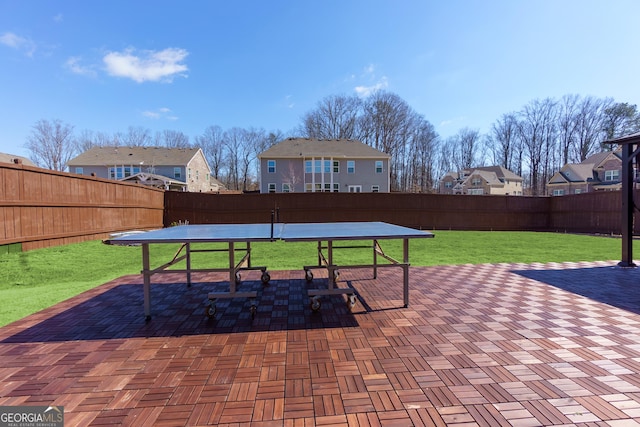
238 238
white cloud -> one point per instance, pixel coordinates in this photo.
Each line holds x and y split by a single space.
364 91
152 66
374 83
288 100
73 64
160 113
17 42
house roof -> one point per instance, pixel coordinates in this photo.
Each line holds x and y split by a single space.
500 172
598 158
578 172
149 156
310 147
10 158
491 178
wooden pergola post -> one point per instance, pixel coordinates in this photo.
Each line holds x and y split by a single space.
630 151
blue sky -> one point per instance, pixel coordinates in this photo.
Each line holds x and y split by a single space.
107 65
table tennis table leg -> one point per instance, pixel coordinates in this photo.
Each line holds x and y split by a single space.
146 274
232 268
375 259
405 271
188 247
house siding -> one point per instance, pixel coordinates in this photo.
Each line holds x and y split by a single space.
195 173
293 171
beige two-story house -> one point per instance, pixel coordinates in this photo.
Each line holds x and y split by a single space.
183 169
316 165
482 180
599 172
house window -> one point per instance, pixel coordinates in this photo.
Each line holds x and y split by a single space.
355 188
336 166
308 166
327 188
136 170
327 166
112 173
316 166
197 175
177 173
271 166
448 184
271 187
577 191
351 166
558 192
336 187
378 166
286 188
612 175
476 182
189 173
308 188
475 191
375 188
79 170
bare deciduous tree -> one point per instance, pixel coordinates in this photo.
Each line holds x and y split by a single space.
503 139
589 126
537 129
386 125
335 117
421 158
136 137
242 148
51 144
212 144
172 139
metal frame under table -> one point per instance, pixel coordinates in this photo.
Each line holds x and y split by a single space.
245 234
327 234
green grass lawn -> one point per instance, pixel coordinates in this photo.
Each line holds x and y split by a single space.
31 281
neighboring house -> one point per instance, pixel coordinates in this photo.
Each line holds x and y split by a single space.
185 168
602 171
314 165
482 180
16 160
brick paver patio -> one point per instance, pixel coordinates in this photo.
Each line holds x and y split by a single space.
485 345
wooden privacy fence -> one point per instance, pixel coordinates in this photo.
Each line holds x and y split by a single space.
582 213
40 207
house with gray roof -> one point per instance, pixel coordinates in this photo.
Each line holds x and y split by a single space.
183 169
17 160
323 165
482 180
599 172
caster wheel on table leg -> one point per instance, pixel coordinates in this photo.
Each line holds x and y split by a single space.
308 275
351 301
210 310
315 303
265 278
